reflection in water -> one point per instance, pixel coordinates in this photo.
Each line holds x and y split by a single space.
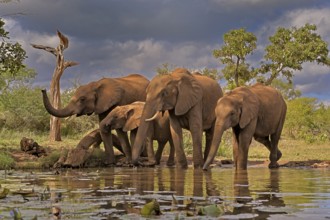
110 193
266 197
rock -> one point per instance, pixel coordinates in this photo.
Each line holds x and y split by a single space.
30 146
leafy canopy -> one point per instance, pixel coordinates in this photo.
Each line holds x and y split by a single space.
237 45
12 56
290 48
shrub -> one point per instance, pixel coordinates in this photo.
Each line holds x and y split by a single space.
6 161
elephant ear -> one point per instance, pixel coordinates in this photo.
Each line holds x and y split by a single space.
189 93
107 96
133 120
250 108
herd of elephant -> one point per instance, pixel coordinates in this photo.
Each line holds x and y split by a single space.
159 109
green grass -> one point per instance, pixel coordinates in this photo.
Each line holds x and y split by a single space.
292 150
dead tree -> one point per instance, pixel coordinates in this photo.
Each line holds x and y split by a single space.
55 95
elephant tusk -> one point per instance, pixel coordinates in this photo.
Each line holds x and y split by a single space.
153 117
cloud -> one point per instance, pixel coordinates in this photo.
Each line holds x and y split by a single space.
313 79
109 58
114 38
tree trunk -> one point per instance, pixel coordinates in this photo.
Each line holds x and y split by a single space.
236 72
55 92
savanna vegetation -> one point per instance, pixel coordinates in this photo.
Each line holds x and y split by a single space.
306 133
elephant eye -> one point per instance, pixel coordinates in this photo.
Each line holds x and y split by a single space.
82 99
165 93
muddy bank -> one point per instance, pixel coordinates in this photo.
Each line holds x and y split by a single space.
24 160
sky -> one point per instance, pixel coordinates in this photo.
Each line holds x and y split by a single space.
113 38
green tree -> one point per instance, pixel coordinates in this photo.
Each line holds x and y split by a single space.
212 73
165 68
12 56
237 45
287 89
290 48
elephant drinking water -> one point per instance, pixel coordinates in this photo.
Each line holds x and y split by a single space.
100 97
127 118
257 111
190 100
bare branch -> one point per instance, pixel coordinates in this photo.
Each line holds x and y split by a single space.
69 64
46 48
64 41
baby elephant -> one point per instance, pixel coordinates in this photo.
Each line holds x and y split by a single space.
257 111
127 118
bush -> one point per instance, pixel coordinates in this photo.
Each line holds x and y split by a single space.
22 109
6 161
307 119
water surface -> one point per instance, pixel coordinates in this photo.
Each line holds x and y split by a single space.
119 193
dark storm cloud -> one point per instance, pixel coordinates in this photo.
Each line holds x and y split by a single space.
117 37
169 20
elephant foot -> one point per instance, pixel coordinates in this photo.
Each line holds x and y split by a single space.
149 164
182 165
170 163
109 163
273 165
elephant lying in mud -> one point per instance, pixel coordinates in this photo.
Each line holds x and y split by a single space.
100 97
77 156
257 111
127 118
190 100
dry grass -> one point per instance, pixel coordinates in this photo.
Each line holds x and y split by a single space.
293 150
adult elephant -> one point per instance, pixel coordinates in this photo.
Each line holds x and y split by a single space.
190 100
127 118
100 97
257 111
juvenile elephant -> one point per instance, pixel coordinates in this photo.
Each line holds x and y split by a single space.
127 118
100 97
190 100
257 111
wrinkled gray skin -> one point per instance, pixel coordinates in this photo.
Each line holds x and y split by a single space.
127 118
257 111
100 97
190 100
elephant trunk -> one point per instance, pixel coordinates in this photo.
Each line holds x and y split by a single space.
218 132
142 132
60 113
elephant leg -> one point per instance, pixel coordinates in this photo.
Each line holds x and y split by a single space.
197 135
208 141
132 136
123 138
116 143
242 153
150 152
235 147
275 153
265 141
244 141
107 141
176 132
170 161
196 130
159 151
